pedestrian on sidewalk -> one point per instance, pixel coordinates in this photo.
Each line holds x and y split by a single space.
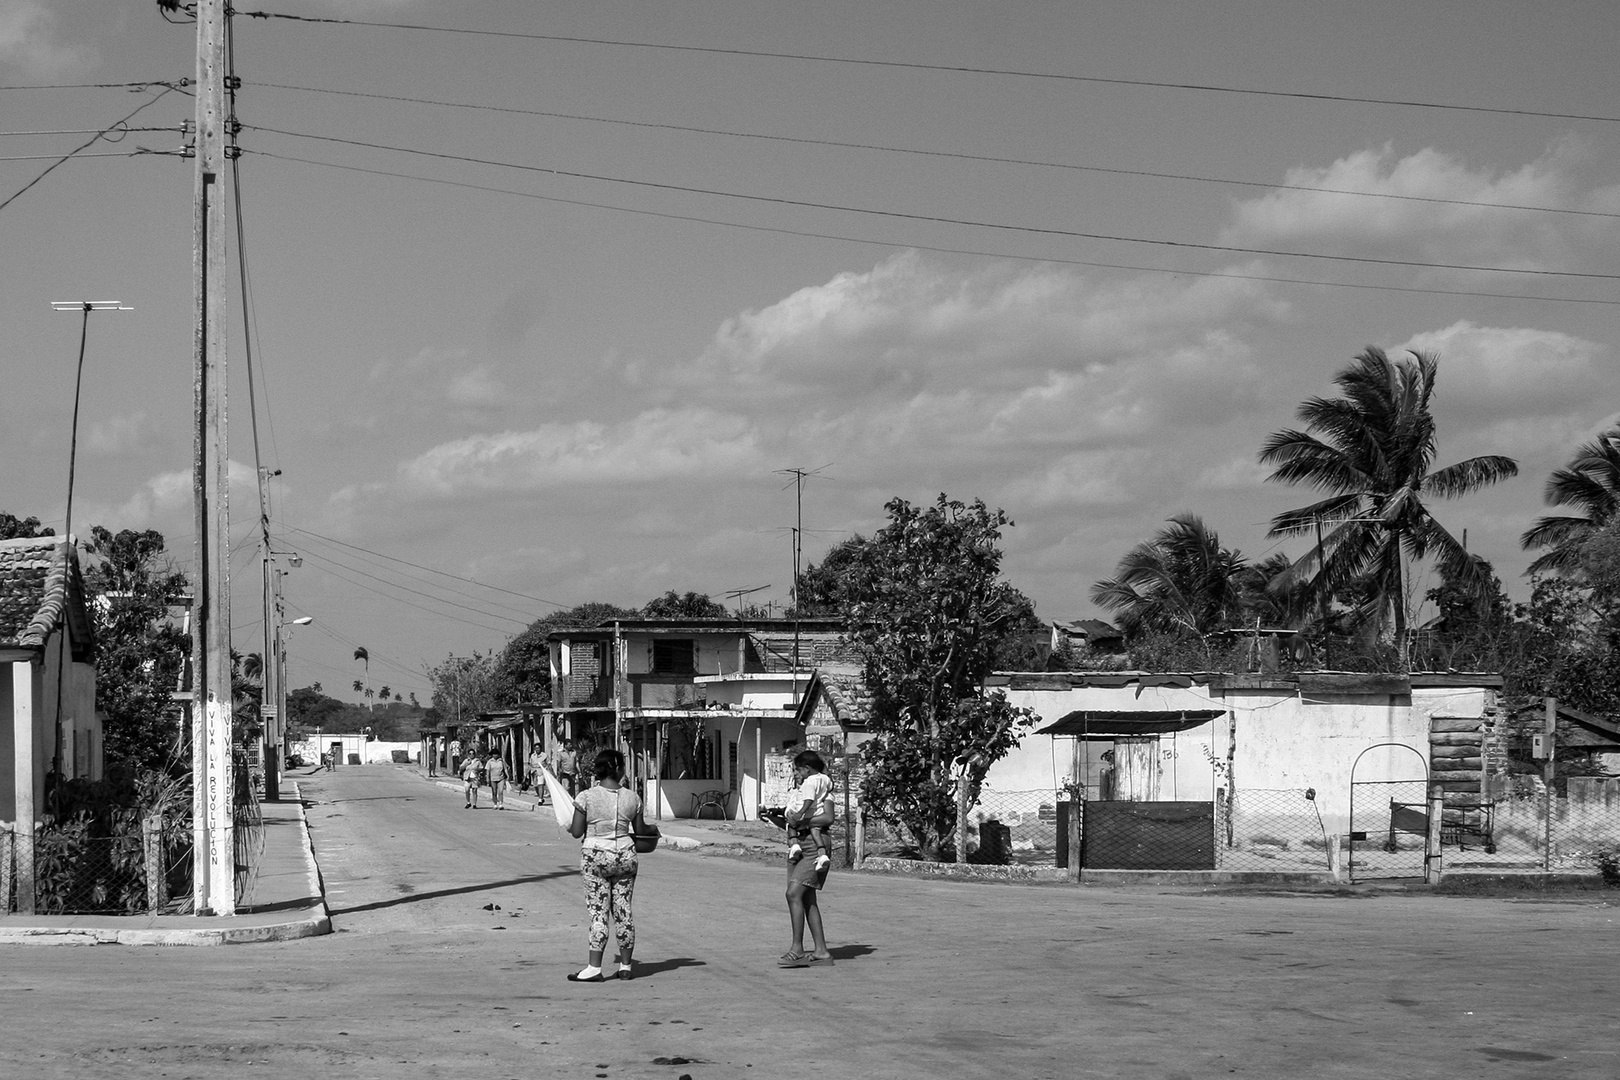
495 773
455 755
535 781
604 818
472 771
568 768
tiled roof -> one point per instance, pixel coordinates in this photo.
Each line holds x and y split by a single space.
845 686
40 587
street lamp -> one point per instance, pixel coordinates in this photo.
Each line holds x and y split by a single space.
280 721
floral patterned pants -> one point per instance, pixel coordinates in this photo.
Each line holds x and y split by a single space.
610 882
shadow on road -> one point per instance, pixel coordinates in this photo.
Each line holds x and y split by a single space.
850 952
644 969
417 897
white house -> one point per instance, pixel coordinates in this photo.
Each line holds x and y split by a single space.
48 689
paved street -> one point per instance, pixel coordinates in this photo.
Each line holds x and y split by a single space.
424 979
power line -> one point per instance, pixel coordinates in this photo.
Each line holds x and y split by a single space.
172 84
429 569
331 567
960 69
939 219
527 615
88 131
986 158
780 231
91 142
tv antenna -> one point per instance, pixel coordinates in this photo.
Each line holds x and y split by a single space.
738 594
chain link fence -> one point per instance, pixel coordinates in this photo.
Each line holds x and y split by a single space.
1014 827
74 873
1278 830
1571 827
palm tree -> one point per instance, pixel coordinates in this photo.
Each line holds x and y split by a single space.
384 693
1377 443
358 686
364 656
1180 579
1590 482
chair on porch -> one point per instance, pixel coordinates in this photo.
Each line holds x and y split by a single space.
711 800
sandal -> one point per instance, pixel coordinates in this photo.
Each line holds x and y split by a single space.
791 959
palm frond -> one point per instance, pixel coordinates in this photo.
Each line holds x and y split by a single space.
1469 476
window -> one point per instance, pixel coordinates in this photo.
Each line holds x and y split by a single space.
673 657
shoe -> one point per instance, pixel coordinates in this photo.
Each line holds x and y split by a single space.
795 853
820 961
579 976
466 806
791 959
823 863
624 972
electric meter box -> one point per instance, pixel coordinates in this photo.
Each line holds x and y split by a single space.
1541 746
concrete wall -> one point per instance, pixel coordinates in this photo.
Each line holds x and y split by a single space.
373 752
1278 741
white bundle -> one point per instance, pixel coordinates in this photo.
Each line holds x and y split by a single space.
562 803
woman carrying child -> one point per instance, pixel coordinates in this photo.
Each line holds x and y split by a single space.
809 818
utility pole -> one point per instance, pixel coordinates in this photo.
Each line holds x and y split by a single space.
269 672
213 781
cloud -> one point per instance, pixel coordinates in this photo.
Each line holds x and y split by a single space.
165 496
657 445
117 435
1472 223
1495 372
29 40
909 324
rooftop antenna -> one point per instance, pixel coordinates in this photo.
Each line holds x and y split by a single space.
86 306
738 594
797 483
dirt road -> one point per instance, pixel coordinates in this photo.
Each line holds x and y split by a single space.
424 978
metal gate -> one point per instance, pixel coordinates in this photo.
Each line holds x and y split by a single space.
1389 823
1121 835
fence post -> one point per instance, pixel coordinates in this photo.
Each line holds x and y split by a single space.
1335 858
7 846
860 835
1433 867
961 820
1076 808
156 873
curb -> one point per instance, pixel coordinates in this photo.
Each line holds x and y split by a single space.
315 921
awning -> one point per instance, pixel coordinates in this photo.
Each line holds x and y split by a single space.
1108 723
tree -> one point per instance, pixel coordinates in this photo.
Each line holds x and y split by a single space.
693 605
385 692
1590 483
16 528
1181 580
523 672
362 654
464 686
829 588
925 612
1374 455
140 651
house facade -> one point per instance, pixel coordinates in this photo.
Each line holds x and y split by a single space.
48 719
703 707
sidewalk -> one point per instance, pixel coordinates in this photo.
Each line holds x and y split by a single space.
682 834
284 901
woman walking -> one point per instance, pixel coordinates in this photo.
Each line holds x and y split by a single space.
605 816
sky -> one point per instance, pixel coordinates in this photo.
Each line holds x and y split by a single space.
1075 260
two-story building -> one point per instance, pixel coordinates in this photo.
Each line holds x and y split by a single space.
700 706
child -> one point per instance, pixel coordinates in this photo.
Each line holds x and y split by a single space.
810 812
